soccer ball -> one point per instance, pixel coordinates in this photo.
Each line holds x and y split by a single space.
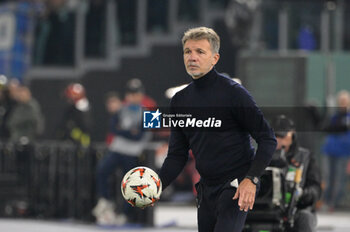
141 187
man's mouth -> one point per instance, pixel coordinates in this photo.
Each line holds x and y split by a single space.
193 66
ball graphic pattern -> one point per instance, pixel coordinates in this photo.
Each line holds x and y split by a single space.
141 187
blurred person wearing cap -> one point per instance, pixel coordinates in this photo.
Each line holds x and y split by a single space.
76 122
25 121
135 84
289 154
337 151
124 150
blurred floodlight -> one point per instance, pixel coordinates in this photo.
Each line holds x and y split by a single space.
237 80
169 93
233 78
3 80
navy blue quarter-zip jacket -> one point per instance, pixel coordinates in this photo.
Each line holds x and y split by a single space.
224 153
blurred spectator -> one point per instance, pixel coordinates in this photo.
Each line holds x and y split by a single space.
76 123
55 40
25 121
337 150
136 85
124 151
306 38
304 29
6 105
13 86
113 102
240 17
113 105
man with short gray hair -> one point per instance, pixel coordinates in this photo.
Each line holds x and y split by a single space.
225 158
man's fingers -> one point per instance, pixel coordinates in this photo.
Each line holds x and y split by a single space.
236 194
246 201
240 201
252 202
246 195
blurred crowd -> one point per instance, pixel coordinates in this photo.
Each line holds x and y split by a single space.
337 153
22 120
22 123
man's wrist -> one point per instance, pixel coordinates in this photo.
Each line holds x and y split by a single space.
254 179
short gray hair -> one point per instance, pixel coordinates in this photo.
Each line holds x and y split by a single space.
199 33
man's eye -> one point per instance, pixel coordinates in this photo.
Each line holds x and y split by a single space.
187 52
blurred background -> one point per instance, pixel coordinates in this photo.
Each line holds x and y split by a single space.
292 55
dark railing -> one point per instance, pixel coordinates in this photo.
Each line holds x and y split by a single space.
54 179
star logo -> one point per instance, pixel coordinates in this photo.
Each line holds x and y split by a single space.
151 119
155 115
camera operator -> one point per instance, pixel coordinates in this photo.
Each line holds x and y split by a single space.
308 188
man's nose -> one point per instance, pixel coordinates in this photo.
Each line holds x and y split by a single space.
193 57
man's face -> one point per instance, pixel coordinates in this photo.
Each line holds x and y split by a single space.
23 95
113 104
134 98
285 141
344 102
199 58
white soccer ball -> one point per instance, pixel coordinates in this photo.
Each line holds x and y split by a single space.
141 187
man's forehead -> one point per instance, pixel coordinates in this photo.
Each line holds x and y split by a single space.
284 134
201 43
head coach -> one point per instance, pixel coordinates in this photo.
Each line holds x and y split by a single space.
225 158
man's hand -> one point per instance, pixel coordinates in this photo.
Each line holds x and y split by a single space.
245 194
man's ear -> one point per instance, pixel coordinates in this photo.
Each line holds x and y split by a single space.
216 58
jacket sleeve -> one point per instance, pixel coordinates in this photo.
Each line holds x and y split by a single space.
177 155
251 120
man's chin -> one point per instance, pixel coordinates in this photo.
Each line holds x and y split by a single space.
195 75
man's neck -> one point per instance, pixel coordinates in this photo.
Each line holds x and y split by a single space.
201 75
